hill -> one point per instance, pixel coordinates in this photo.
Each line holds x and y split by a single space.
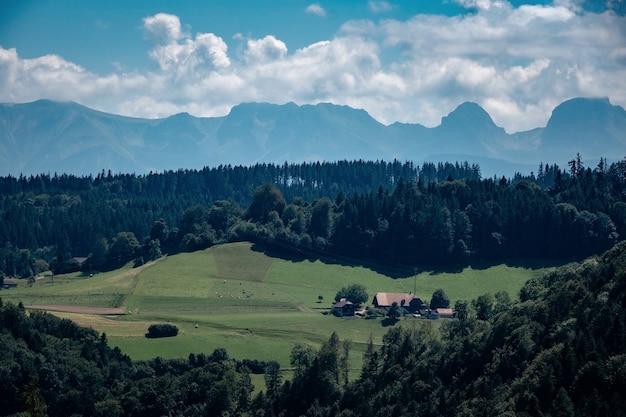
558 350
241 298
48 137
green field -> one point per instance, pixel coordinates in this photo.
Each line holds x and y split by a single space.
253 305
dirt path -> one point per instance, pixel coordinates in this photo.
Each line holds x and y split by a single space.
80 309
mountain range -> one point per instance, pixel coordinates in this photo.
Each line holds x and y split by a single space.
65 137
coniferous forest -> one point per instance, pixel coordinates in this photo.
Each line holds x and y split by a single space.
558 351
395 214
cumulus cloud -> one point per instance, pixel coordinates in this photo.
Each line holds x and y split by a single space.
316 9
531 57
267 49
51 76
517 62
180 52
163 27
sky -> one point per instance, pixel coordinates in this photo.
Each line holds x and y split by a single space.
410 61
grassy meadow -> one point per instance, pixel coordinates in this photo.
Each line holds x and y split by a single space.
253 305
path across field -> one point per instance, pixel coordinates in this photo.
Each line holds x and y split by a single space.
80 309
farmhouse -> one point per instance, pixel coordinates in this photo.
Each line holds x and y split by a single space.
9 284
444 313
409 302
343 308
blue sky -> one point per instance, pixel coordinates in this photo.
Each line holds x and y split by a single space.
409 61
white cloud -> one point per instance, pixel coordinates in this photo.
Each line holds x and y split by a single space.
379 6
266 49
481 4
177 52
518 63
525 14
316 9
533 56
520 74
46 76
163 27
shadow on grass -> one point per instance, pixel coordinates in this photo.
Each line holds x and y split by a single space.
484 264
293 253
388 321
289 252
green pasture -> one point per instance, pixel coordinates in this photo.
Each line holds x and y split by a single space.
263 336
108 289
254 305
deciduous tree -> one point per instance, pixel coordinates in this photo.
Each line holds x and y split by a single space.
356 293
439 300
266 198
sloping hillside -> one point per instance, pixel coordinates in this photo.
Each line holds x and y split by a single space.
558 351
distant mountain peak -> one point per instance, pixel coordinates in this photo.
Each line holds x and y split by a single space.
254 105
49 136
585 100
468 112
581 121
180 116
320 112
584 107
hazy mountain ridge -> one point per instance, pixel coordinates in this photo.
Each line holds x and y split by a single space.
577 118
47 137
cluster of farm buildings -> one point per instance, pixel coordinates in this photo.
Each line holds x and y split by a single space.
408 304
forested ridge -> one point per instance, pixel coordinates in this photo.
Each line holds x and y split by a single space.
388 212
558 351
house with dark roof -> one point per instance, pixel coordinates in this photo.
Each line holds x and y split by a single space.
343 308
409 302
9 284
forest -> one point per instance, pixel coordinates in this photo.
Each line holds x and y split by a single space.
558 351
390 213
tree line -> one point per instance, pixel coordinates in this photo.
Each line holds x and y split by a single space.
391 213
559 351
